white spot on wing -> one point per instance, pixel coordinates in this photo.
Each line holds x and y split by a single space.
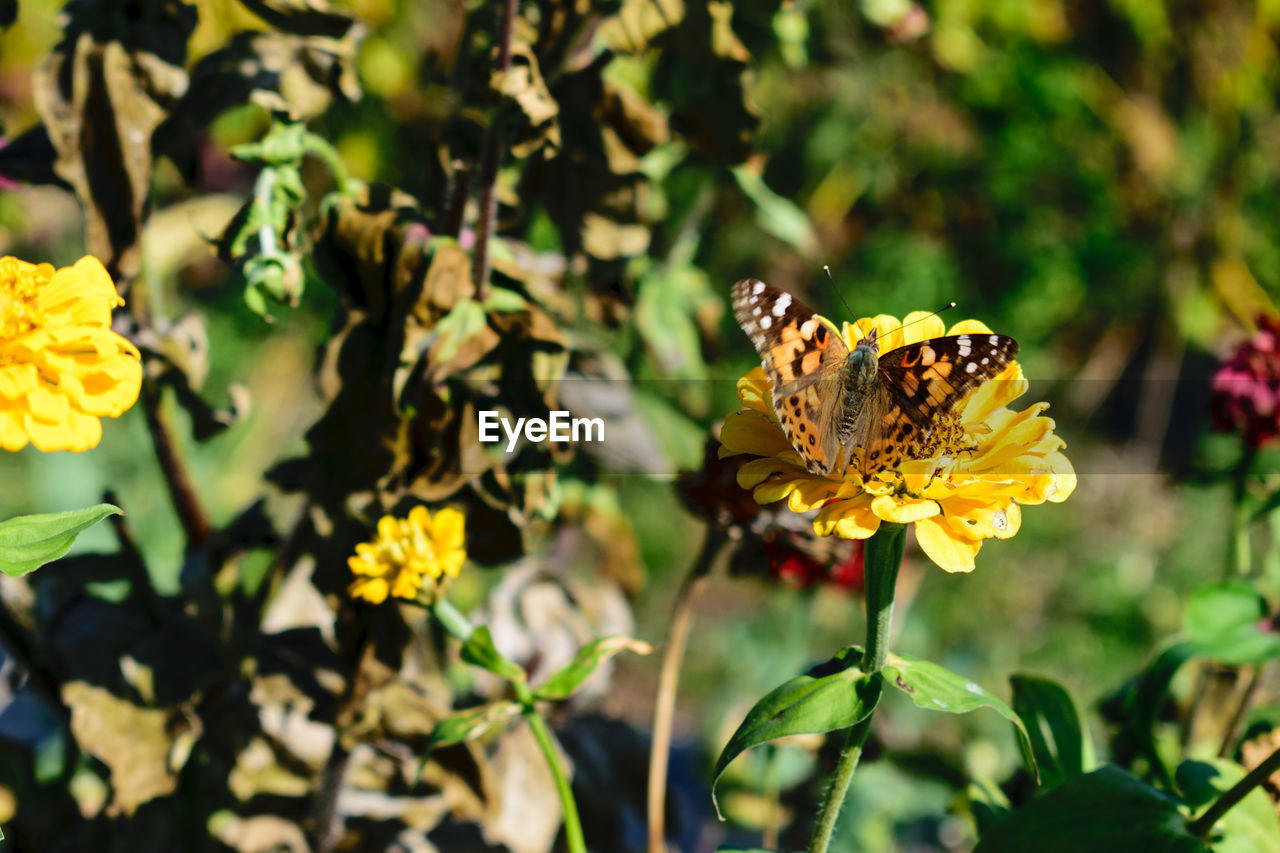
766 322
758 289
968 368
780 307
995 340
809 327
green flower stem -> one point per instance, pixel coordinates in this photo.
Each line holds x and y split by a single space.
883 558
263 188
572 824
1241 556
451 618
1202 825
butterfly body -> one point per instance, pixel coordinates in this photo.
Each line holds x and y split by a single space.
833 401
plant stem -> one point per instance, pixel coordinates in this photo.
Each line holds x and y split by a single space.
1240 546
181 491
452 619
323 149
489 161
669 682
1242 708
572 824
882 560
1202 825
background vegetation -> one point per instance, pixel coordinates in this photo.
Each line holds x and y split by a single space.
1096 179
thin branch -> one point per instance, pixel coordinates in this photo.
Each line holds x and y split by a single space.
1202 825
489 161
176 476
1246 700
716 543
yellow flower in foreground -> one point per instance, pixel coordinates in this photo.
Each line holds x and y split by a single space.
982 463
412 558
61 366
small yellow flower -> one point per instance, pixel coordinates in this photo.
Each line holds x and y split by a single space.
982 463
412 558
61 366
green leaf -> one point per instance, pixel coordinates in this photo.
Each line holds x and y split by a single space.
470 724
1250 826
827 698
1059 739
1152 687
29 541
563 683
775 214
987 804
1225 622
480 651
1107 809
500 300
464 320
939 689
1246 643
1220 610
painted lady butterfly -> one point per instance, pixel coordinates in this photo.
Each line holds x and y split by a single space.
831 401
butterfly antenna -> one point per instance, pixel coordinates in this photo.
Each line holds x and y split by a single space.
831 278
946 307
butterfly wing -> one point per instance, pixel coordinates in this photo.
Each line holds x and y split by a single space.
923 381
802 356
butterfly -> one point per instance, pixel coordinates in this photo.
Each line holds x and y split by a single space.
832 401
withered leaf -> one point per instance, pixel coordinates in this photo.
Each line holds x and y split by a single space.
637 22
522 82
133 742
89 88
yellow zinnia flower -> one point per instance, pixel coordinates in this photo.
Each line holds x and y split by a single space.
981 464
411 558
61 366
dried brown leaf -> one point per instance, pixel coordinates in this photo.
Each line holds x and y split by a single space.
133 742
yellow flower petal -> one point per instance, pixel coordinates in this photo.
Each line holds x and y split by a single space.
448 529
17 380
848 519
751 432
46 406
773 477
903 510
410 558
63 367
12 434
920 326
940 543
754 391
969 327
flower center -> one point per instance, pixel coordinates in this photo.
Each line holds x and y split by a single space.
19 307
946 439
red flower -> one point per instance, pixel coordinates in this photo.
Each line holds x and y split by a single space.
804 562
1246 388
